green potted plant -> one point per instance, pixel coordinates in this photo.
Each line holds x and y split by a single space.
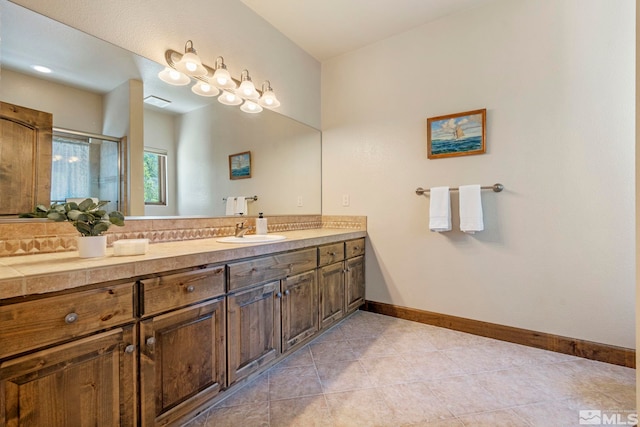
88 218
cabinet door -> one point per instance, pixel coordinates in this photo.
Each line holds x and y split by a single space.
354 283
332 293
25 158
182 354
253 317
90 381
299 308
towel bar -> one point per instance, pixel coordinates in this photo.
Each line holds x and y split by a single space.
247 198
495 187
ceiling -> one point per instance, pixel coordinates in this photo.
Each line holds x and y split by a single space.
328 28
323 28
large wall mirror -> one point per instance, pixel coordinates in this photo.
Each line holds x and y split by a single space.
196 134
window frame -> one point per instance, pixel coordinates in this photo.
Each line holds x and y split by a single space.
162 172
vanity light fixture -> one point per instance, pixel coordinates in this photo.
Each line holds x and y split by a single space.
209 81
250 107
204 89
247 89
190 63
221 77
173 77
229 98
268 98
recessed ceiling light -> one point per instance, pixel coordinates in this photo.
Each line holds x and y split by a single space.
41 69
156 102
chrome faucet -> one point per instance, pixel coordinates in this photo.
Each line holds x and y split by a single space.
241 230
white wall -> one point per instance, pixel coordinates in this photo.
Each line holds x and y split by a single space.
72 108
225 28
557 79
160 134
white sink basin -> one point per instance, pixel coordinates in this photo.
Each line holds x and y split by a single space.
253 238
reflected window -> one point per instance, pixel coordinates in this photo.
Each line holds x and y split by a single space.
85 165
155 177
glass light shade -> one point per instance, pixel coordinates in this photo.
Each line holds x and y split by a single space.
269 100
250 107
191 65
247 90
173 77
204 89
229 98
223 80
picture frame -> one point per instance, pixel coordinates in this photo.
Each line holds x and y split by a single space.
240 165
460 134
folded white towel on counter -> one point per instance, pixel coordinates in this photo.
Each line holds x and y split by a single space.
439 209
241 205
471 219
231 206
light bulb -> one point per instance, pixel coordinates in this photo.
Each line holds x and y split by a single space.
229 98
250 107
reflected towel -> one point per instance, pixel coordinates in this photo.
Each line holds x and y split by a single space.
471 219
439 209
241 205
231 206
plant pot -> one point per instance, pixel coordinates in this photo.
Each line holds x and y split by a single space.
92 246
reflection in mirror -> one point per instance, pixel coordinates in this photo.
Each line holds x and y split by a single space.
197 133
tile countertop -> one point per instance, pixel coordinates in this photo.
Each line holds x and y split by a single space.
36 274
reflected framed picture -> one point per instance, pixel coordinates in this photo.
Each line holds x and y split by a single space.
240 165
460 134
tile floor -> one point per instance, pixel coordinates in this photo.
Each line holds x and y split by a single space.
375 370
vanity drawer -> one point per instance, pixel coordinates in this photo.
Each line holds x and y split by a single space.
177 290
329 254
31 324
355 248
279 266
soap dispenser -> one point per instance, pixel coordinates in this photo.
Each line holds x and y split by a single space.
261 224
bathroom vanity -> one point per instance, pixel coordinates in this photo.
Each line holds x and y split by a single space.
154 339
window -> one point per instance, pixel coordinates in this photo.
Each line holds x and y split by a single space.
155 177
85 165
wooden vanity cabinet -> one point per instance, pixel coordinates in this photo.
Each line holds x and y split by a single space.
253 317
331 284
73 359
182 350
299 308
354 275
340 280
158 350
266 319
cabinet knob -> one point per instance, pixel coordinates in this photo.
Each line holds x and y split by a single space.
151 341
190 288
130 348
70 318
332 253
287 292
279 295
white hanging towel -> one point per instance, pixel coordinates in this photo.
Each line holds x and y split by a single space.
241 205
471 219
231 206
439 209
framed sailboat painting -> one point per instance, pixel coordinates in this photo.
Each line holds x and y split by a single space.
460 134
240 165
